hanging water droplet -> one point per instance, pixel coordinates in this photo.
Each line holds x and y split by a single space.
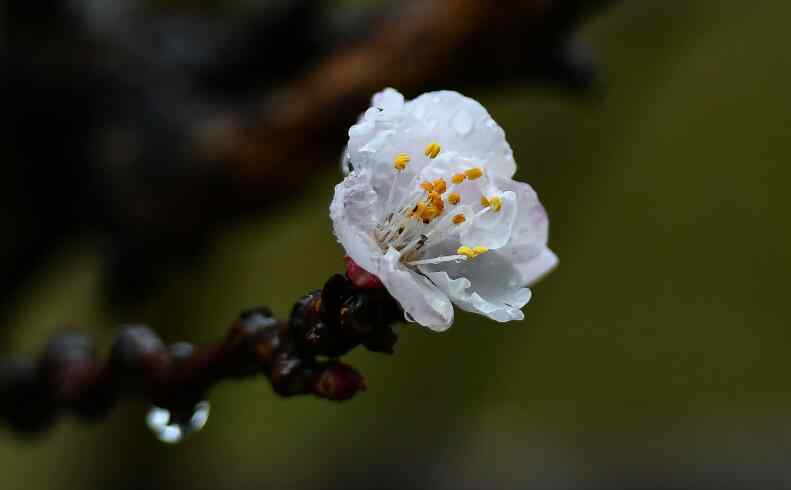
173 427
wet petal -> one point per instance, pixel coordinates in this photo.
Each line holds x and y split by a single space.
422 301
354 218
488 285
492 229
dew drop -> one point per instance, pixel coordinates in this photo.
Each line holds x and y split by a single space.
346 162
171 427
462 123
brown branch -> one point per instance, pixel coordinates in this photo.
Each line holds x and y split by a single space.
423 45
324 324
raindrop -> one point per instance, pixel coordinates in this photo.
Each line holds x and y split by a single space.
462 123
173 427
346 162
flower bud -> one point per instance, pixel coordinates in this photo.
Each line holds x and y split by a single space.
361 277
291 375
69 366
138 355
338 382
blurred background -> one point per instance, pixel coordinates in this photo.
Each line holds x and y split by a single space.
655 356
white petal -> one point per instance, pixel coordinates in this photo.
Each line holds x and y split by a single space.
537 266
353 218
489 285
388 100
463 125
457 123
532 222
527 249
421 300
493 228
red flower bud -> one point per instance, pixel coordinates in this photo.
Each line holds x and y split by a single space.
361 277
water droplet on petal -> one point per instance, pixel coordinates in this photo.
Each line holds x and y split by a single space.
346 162
462 123
171 427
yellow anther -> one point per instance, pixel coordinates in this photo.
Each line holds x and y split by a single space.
419 208
440 186
473 173
429 213
400 161
432 150
454 198
485 202
496 202
436 203
458 178
459 219
427 186
471 252
466 251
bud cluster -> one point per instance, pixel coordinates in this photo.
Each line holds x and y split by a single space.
298 357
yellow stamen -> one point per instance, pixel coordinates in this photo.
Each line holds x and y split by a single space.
473 173
436 202
429 213
497 203
485 202
471 252
458 178
440 186
459 219
419 208
432 150
466 251
400 161
454 198
427 186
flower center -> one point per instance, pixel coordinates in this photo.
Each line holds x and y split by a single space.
422 215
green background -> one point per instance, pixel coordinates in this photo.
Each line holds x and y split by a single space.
660 342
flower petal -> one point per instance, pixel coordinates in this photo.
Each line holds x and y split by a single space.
493 229
527 249
354 219
535 267
464 126
388 100
488 284
532 223
456 122
422 301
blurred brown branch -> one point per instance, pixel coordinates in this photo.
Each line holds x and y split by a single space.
156 129
416 47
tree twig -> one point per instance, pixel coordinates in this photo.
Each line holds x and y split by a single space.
420 46
298 356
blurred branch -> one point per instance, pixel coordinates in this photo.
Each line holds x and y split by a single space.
416 47
157 129
68 376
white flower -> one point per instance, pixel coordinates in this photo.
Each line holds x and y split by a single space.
430 208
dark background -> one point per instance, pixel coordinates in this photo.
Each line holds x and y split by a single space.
656 355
